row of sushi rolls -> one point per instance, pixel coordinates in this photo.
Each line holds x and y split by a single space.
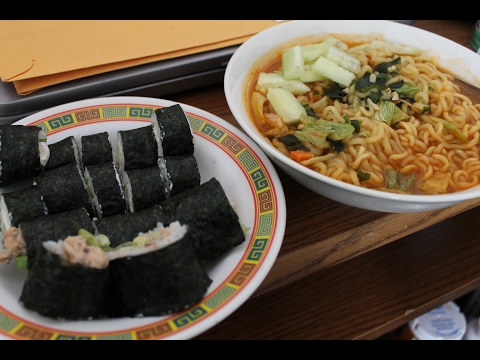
109 232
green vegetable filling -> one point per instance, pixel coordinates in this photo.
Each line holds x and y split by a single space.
316 131
395 180
292 142
363 176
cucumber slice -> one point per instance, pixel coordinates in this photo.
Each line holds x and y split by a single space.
336 42
312 52
343 59
333 71
292 63
399 48
310 76
393 47
276 80
286 105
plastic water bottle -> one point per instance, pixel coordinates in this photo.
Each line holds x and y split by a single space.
475 38
473 330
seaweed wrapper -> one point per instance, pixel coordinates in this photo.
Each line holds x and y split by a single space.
174 134
53 227
212 222
137 148
24 204
122 228
64 291
62 153
96 149
64 189
157 283
103 182
182 173
19 153
144 188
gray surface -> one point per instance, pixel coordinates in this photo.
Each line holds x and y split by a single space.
154 80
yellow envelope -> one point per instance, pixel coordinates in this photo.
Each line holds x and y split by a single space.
39 53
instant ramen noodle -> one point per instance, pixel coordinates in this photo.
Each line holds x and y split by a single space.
378 115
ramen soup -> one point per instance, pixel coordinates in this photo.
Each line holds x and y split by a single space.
375 114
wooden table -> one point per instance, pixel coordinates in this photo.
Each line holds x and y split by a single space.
348 273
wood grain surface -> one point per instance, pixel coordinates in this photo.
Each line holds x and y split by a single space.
341 273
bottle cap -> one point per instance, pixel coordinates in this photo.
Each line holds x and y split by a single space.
443 323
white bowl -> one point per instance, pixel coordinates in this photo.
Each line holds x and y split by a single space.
256 52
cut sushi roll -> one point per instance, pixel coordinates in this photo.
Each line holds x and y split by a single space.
62 153
23 153
143 188
172 277
105 188
172 131
21 205
122 228
52 227
68 281
137 148
96 149
64 188
182 173
213 222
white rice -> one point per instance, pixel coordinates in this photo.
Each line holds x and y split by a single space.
163 237
127 189
43 148
159 134
120 153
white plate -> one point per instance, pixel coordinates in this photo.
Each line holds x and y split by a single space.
223 152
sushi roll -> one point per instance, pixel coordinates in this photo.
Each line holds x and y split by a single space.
96 149
122 228
143 188
105 188
213 222
137 148
23 153
64 188
62 153
69 280
182 173
20 205
172 277
172 131
52 227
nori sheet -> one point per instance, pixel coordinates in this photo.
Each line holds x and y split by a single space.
25 204
62 153
64 291
53 227
96 149
108 188
64 189
182 173
176 135
19 153
147 187
157 283
212 222
139 148
122 228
